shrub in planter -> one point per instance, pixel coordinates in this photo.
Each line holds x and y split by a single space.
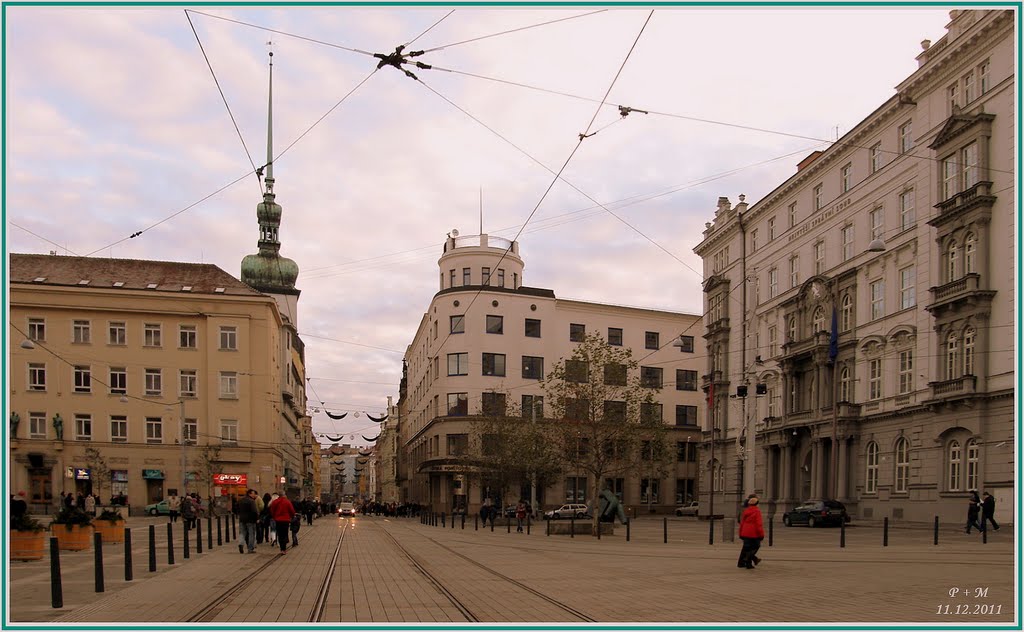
28 538
73 529
110 525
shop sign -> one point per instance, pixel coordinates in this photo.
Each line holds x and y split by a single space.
119 476
69 472
82 473
451 468
153 474
229 479
281 480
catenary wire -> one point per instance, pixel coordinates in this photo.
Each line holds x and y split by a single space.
410 42
279 32
515 30
43 238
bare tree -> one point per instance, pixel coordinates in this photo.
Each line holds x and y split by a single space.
209 464
99 471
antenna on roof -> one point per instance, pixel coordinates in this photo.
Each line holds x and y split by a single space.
481 210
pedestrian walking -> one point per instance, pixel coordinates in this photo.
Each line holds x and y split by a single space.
174 504
263 524
295 526
988 511
248 514
751 532
188 512
90 504
281 512
973 510
520 516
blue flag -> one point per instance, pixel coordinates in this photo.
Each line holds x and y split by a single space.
833 340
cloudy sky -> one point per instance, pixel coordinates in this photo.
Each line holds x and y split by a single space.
115 124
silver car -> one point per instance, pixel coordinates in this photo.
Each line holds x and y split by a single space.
687 509
571 510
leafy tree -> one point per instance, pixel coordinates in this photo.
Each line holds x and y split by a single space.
99 471
605 409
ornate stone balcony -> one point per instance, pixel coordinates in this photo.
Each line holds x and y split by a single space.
963 291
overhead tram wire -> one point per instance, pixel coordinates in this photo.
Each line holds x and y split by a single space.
224 98
515 30
279 32
43 238
410 42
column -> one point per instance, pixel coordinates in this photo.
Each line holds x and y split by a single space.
844 448
769 473
786 468
815 472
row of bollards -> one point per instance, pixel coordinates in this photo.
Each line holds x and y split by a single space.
56 587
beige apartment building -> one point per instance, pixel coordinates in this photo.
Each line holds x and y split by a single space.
486 336
900 238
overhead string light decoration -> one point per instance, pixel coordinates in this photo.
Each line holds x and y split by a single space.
332 439
332 416
371 440
366 453
377 419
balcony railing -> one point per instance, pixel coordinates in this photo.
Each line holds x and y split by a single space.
968 283
964 385
963 198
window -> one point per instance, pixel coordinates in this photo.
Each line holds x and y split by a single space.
577 371
952 356
952 97
877 299
972 464
495 324
875 157
902 465
753 240
466 276
118 428
615 412
984 82
771 228
451 278
794 271
792 214
151 335
577 409
615 374
533 404
83 379
532 328
187 382
37 425
818 320
229 338
906 134
615 336
819 257
187 336
874 379
576 489
969 339
773 349
845 383
969 161
951 257
907 218
118 380
686 344
458 404
773 283
457 324
458 444
654 486
686 380
37 329
650 376
847 243
877 217
229 431
845 182
652 340
501 277
458 364
118 334
651 413
970 253
191 428
228 385
954 456
533 368
494 364
949 175
83 427
81 332
907 297
686 415
969 87
154 382
871 473
817 198
515 280
906 374
577 332
791 329
485 275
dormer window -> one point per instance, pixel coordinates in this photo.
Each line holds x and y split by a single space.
118 283
186 288
151 286
39 279
219 290
84 282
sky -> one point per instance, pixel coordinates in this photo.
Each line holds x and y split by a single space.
116 124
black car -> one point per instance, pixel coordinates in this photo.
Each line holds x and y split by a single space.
817 512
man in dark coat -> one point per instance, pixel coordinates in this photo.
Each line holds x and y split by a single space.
988 511
248 514
18 505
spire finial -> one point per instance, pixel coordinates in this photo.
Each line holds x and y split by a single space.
269 179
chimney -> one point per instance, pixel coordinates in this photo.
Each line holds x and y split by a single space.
809 159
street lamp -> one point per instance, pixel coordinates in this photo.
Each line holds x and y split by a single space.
184 444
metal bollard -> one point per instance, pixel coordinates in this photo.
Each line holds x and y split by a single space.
572 526
209 532
598 528
528 516
492 523
711 530
97 550
547 527
185 548
842 534
885 531
453 520
218 532
170 545
127 555
984 535
665 528
628 522
56 592
152 548
476 524
199 535
936 531
771 529
508 523
463 522
234 533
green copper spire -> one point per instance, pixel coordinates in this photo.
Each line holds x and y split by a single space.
268 271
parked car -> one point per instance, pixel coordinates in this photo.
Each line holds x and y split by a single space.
161 508
817 512
346 509
687 509
570 510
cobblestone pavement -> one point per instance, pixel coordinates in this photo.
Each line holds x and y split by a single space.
401 571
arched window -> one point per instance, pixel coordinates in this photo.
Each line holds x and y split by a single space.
871 471
792 328
954 456
819 319
951 257
969 340
846 313
952 356
844 385
970 253
972 464
902 465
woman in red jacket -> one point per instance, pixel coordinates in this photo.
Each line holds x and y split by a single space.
281 512
751 532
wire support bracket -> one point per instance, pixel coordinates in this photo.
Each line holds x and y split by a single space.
399 58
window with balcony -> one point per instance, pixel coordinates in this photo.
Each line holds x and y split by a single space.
950 261
970 253
969 343
952 356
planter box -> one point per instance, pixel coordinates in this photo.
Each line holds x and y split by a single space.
27 545
584 527
112 531
72 537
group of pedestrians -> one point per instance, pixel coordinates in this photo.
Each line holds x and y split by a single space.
984 507
273 519
189 507
83 502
